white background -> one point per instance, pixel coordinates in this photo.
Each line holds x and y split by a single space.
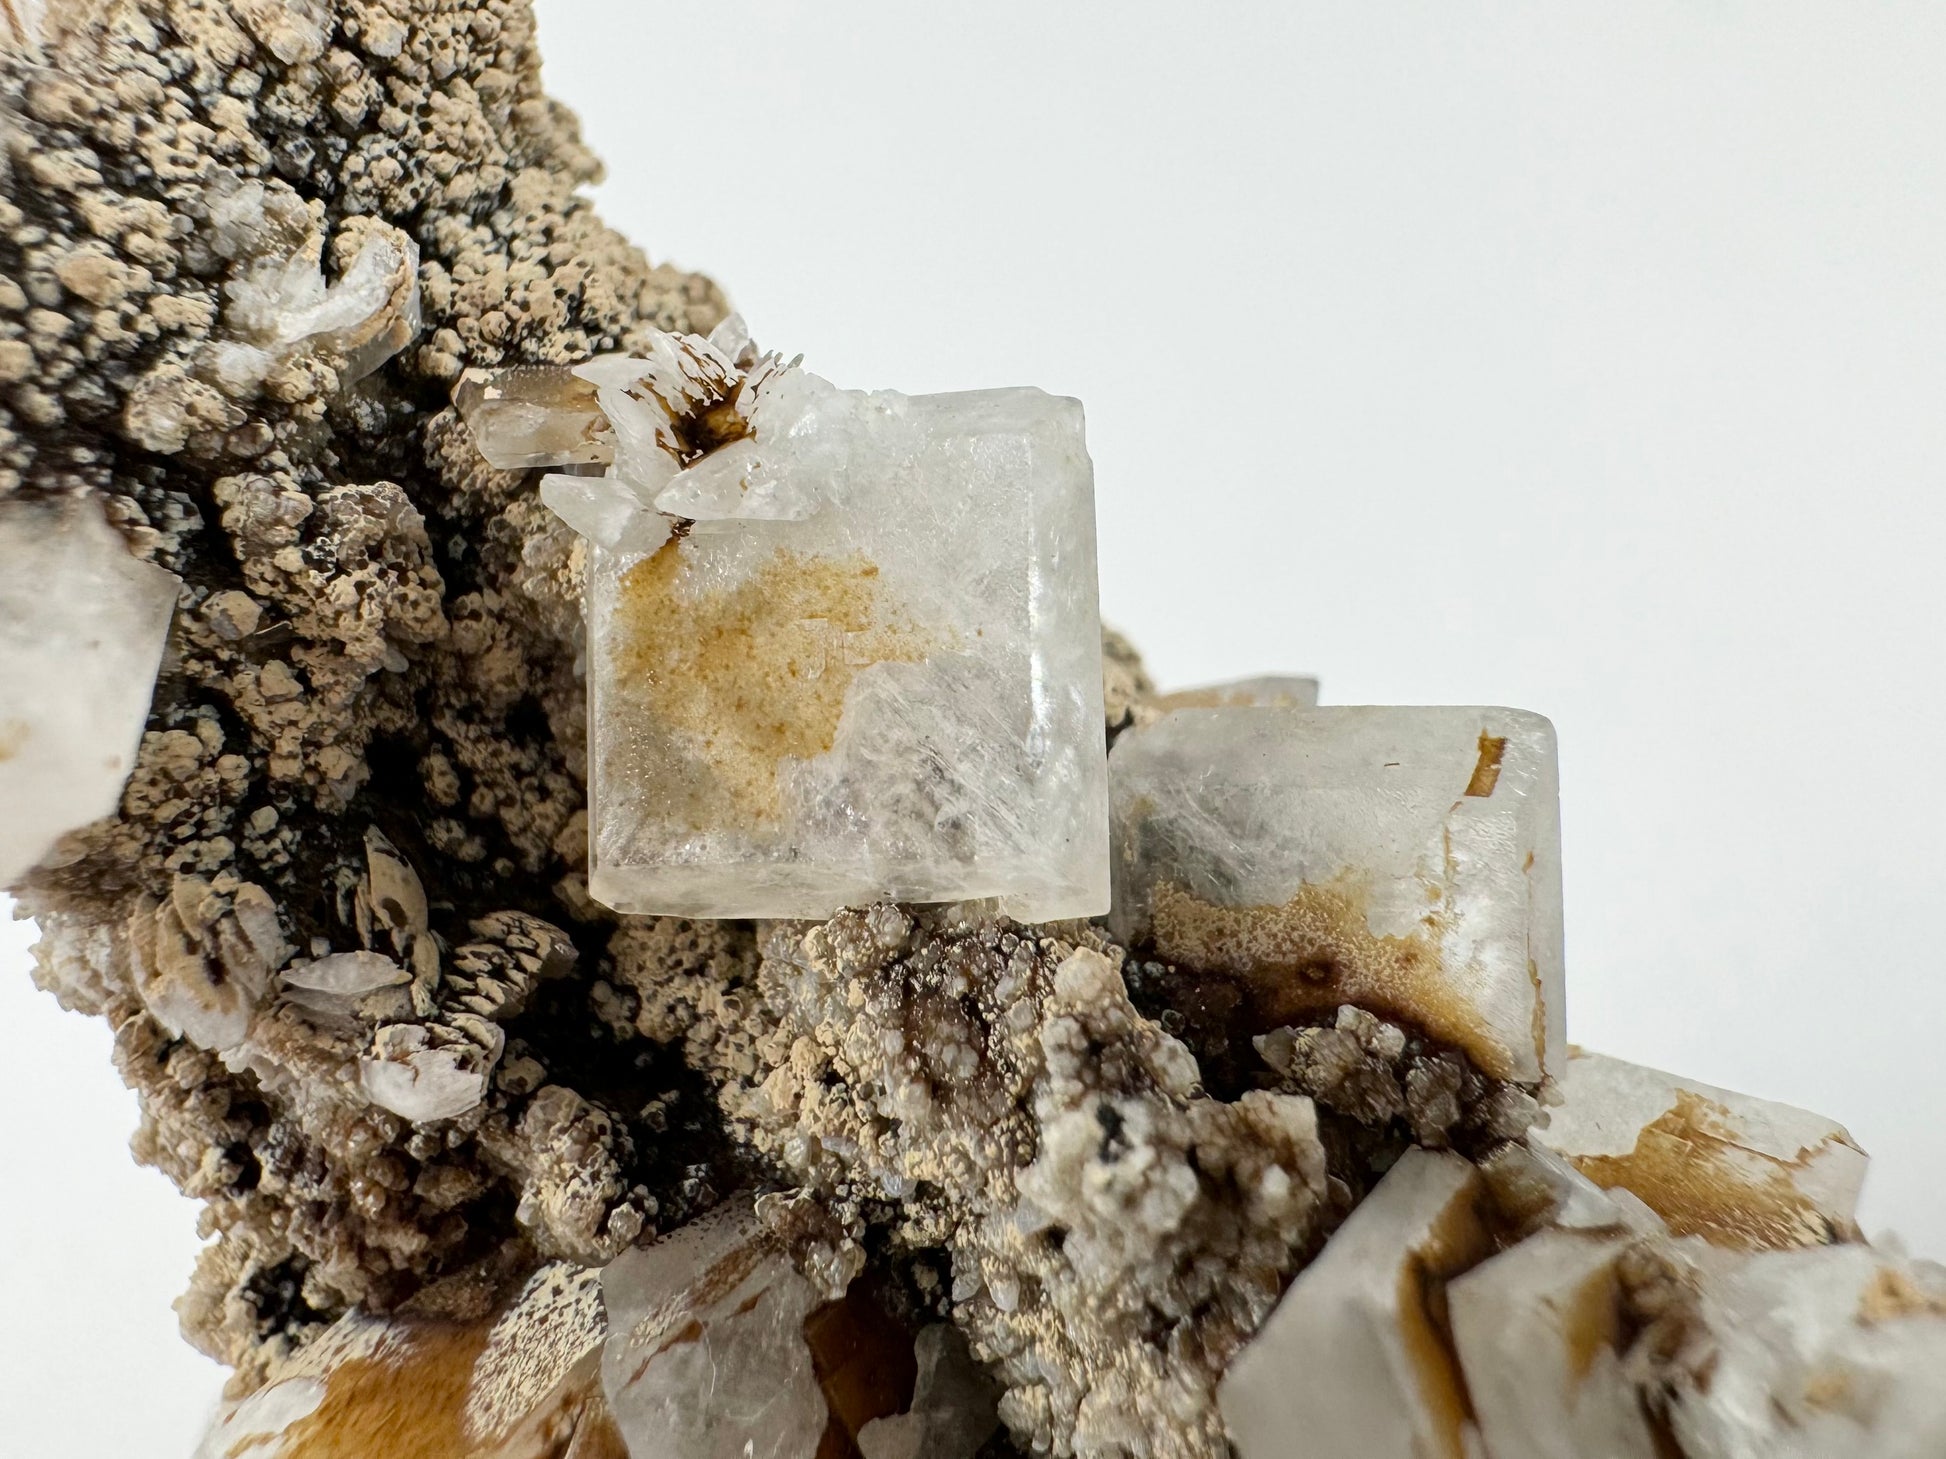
1584 359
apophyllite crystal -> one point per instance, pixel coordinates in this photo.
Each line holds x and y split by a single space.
1405 860
82 626
841 646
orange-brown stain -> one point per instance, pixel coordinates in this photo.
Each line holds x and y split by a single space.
1316 951
1591 1321
744 678
1688 1168
864 1362
406 1402
1486 770
1891 1295
1458 1241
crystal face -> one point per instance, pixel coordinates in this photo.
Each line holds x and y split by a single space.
841 646
1351 1365
1403 859
82 627
1740 1171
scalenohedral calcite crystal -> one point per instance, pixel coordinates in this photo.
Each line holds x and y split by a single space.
341 440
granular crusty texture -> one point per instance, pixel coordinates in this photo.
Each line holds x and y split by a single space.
246 249
375 635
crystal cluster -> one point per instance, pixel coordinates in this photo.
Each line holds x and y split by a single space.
1287 1157
840 646
1514 1308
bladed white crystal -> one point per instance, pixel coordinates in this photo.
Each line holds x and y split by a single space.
1403 859
1353 1363
1740 1171
82 628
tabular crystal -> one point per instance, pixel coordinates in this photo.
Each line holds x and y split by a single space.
82 627
1742 1172
1406 860
841 646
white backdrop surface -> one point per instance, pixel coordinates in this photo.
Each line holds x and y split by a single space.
1584 360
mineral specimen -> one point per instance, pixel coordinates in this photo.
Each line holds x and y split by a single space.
307 337
866 661
82 626
1406 860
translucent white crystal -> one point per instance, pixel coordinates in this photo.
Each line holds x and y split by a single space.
417 1080
868 667
82 627
346 973
1814 1353
1269 691
1740 1171
1403 859
607 511
707 1357
1353 1363
533 415
1539 1333
953 1405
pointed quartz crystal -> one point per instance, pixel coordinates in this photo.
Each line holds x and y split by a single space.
707 1357
533 415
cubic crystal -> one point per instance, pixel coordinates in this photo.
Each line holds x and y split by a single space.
1540 1333
866 661
82 627
1353 1364
1741 1172
1406 860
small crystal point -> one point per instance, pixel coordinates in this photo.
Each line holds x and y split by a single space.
533 415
